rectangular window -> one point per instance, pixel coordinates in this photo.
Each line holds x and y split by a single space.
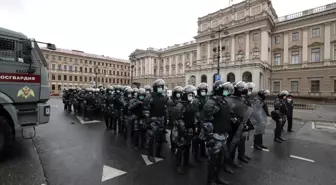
315 55
53 77
59 87
80 78
75 68
76 78
85 79
315 86
59 67
65 77
315 32
70 78
59 58
277 59
276 87
53 66
295 36
53 87
70 68
65 68
256 37
59 77
294 86
335 86
80 69
295 57
277 39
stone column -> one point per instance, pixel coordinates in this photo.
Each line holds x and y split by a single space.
198 52
191 59
183 62
233 48
247 47
170 65
305 45
327 41
285 57
141 65
209 51
221 52
176 67
264 44
157 67
164 66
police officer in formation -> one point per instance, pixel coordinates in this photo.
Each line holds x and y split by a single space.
212 125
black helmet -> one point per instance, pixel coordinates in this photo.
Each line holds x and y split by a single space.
176 90
189 89
118 88
135 91
202 87
283 94
228 88
158 83
142 93
263 93
250 85
240 88
148 88
217 87
128 91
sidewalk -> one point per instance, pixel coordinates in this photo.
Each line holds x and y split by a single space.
314 115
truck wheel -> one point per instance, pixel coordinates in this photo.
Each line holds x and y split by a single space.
6 135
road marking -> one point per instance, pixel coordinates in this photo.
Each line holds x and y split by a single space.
326 127
110 173
55 106
313 125
145 158
302 158
265 150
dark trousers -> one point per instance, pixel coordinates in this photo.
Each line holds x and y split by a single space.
183 155
290 123
278 129
198 147
108 121
214 166
241 146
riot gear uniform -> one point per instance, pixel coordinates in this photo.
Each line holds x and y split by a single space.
198 147
184 126
279 115
215 129
127 127
118 105
156 110
109 107
259 118
137 119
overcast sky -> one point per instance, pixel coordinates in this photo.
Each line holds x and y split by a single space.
117 27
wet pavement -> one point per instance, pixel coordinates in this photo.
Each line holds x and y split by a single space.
66 152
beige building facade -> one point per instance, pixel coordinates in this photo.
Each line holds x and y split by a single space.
296 52
72 68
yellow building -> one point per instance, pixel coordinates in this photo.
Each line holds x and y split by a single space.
72 68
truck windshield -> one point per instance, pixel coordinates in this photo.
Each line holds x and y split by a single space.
10 50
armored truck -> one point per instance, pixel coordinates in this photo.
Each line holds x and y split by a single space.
24 86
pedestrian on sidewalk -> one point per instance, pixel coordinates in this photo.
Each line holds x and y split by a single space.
290 106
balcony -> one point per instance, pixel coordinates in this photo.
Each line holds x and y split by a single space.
306 12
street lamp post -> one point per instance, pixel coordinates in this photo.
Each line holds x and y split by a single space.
219 50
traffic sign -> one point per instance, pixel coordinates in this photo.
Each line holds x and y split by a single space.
217 77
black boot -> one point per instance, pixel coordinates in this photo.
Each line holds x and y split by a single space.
256 141
243 159
151 159
261 143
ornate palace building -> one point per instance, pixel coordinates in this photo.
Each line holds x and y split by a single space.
296 52
72 68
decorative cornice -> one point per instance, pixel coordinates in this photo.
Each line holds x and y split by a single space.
315 44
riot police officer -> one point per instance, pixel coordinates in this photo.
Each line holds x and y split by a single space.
156 110
184 127
260 114
279 115
171 103
118 105
137 119
215 129
246 96
199 101
109 107
148 89
126 127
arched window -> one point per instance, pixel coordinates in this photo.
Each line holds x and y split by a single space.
204 79
231 77
247 76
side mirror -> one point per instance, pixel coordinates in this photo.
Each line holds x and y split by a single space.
51 46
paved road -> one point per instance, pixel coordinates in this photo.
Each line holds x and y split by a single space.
66 152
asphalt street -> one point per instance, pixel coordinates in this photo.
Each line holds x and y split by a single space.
65 152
